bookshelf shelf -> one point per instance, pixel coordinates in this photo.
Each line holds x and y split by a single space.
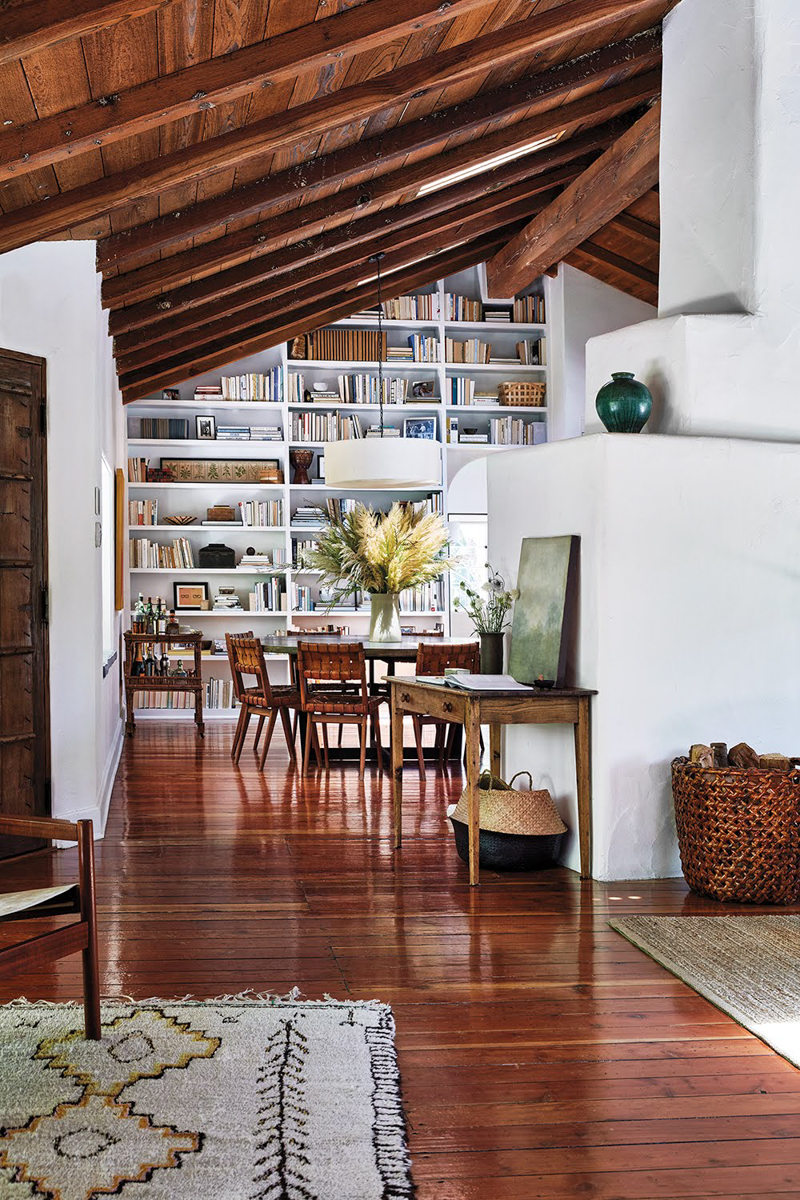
444 378
219 527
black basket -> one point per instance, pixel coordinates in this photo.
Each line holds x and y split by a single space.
509 851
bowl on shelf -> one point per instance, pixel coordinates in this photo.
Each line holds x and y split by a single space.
544 684
180 519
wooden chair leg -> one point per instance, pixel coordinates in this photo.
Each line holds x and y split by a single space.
324 725
315 743
259 727
273 716
309 739
286 721
376 734
248 712
341 731
91 969
415 721
362 741
237 733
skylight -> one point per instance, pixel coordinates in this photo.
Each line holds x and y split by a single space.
486 164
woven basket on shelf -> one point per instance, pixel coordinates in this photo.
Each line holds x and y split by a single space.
739 831
519 830
522 395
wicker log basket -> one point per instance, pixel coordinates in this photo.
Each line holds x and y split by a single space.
519 830
739 831
522 394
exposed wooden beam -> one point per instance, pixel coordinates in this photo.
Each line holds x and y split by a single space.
625 265
359 202
218 80
648 236
228 314
263 335
355 103
633 56
36 24
614 278
622 173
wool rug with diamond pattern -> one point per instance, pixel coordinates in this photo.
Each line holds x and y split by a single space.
202 1100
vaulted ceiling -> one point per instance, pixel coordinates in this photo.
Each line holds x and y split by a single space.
238 161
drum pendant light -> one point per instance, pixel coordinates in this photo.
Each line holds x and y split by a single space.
383 463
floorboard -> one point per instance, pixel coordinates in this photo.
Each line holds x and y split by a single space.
542 1055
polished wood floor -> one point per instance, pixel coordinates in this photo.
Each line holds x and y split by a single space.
541 1054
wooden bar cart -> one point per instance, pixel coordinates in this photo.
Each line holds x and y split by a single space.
191 682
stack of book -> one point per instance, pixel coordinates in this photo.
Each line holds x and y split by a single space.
423 307
268 595
513 431
324 427
163 428
302 599
226 600
151 555
260 513
142 512
137 470
306 516
529 310
233 433
266 433
363 389
400 354
219 693
498 314
346 345
257 561
253 386
473 350
208 393
424 347
534 352
459 308
389 431
471 436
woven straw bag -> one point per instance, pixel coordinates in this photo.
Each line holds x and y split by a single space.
739 831
504 809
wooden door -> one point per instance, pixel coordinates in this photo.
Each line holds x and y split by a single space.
24 677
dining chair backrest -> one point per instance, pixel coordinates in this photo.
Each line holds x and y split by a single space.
321 664
246 657
432 660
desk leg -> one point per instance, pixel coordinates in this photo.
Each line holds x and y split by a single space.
472 735
397 767
583 771
494 747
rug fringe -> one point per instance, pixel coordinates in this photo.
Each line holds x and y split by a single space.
248 996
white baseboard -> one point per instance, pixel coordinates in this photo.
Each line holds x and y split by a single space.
98 812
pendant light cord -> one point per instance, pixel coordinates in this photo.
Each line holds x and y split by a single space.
376 258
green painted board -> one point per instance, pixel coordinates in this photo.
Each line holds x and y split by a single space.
546 582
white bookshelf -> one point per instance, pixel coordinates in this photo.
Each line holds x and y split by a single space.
193 498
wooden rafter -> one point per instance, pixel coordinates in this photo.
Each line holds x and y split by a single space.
363 200
622 173
357 102
37 24
219 80
589 253
635 55
646 235
263 335
317 280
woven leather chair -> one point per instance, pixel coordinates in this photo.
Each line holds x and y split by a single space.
265 700
432 660
56 902
333 691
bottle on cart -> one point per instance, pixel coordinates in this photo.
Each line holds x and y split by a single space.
161 619
150 666
180 672
137 662
173 628
163 666
149 615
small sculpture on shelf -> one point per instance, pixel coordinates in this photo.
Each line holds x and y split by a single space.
301 460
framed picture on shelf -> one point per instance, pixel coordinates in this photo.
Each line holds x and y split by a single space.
422 388
171 394
206 428
190 595
420 427
223 470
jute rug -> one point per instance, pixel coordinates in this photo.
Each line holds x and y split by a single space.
747 966
190 1100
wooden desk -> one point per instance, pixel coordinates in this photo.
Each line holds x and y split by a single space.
472 709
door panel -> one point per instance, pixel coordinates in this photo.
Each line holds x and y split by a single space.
24 670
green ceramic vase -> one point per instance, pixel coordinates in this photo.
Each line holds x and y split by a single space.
624 404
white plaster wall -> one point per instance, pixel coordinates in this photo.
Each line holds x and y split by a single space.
708 158
580 308
689 590
50 306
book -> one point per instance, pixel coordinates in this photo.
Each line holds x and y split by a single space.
487 683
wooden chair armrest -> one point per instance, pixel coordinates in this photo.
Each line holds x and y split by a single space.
41 827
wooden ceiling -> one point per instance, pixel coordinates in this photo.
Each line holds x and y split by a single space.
238 161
